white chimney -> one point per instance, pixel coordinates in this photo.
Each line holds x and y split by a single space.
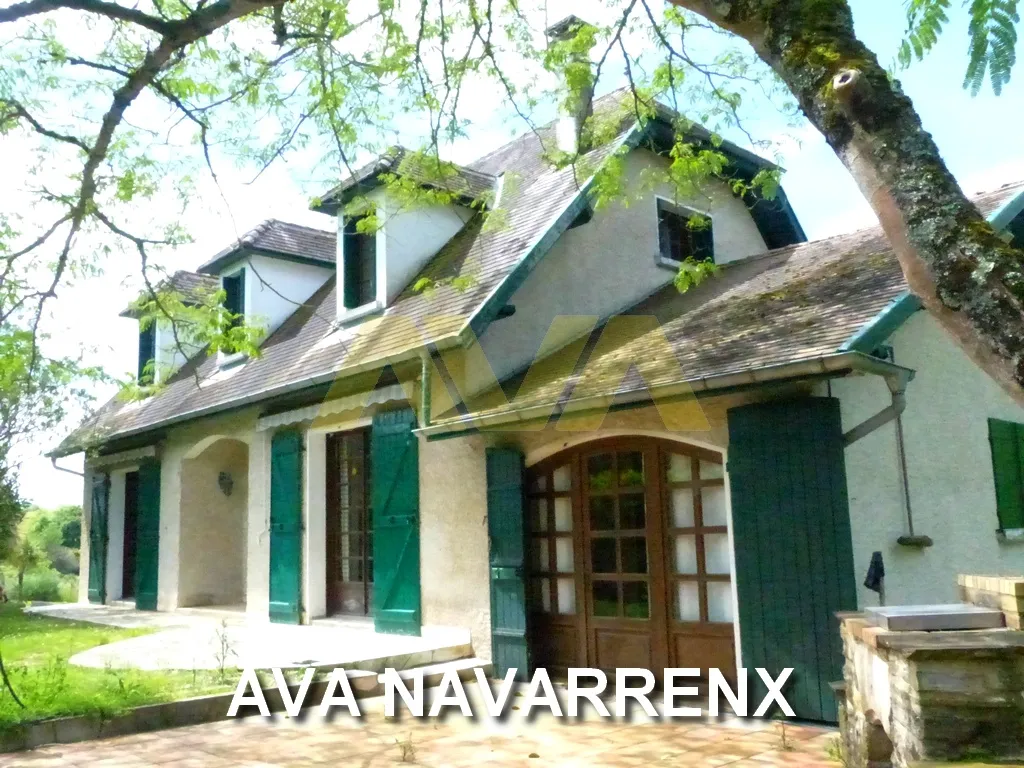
569 128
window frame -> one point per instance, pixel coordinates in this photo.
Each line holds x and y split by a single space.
1008 474
666 205
354 266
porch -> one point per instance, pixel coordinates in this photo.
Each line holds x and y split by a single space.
195 638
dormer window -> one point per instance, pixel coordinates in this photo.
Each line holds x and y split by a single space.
234 290
679 239
147 353
360 257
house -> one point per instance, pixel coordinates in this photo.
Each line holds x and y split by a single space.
527 431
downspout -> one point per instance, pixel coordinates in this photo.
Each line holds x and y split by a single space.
53 461
425 389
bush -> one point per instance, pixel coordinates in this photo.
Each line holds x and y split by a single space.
42 584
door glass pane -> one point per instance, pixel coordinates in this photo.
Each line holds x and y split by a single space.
566 596
540 555
710 470
563 554
716 552
563 513
539 483
634 600
606 598
632 513
541 596
682 507
602 513
599 472
687 601
540 515
712 499
562 479
686 554
719 601
602 553
631 469
679 468
634 554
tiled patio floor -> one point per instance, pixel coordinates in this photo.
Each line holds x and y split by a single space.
454 742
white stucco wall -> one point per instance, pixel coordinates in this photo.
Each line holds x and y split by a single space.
115 535
611 262
454 544
949 467
314 528
275 288
168 357
83 550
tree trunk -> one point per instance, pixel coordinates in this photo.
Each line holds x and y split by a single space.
965 274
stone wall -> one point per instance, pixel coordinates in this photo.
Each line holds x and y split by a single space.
913 696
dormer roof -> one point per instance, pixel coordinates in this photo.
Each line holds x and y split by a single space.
468 186
191 285
278 238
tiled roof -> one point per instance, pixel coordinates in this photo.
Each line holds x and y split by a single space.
467 184
788 305
190 285
282 238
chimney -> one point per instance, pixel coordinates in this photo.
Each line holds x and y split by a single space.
574 111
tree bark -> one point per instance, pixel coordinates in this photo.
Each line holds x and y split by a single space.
968 278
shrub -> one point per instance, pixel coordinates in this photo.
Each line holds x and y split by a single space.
47 585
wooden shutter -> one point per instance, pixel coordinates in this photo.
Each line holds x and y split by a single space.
98 538
507 536
395 478
147 547
1007 442
147 351
286 527
794 557
234 293
351 264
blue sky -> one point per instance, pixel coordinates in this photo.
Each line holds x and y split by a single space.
979 137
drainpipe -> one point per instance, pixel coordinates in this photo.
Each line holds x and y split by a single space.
425 389
53 461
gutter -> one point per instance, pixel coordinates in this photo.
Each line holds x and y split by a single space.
835 364
1003 216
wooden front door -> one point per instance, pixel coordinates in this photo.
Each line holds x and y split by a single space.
630 558
131 519
349 524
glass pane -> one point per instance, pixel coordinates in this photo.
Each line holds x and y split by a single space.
563 513
716 552
563 554
679 468
600 472
562 479
541 595
540 555
539 483
687 601
606 598
631 469
712 500
682 507
634 600
540 515
686 554
602 513
719 601
632 514
566 596
602 552
634 554
709 470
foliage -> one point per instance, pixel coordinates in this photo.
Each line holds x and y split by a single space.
42 584
11 509
36 651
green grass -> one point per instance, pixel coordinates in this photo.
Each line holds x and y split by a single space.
36 650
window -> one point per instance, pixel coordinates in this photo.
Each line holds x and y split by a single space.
1007 441
147 351
360 275
679 238
234 289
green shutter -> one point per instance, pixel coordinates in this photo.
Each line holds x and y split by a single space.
147 552
395 477
507 538
1007 441
286 527
147 351
794 557
350 264
98 538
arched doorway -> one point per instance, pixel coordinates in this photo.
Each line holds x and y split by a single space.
629 557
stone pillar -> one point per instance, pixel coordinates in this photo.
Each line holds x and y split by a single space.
314 534
257 556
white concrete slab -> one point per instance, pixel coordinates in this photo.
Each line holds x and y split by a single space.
215 638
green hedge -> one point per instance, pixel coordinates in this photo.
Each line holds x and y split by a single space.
43 584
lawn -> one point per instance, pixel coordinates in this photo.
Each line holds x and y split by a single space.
36 650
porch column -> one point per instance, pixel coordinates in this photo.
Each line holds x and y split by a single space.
115 536
83 551
257 557
169 560
314 544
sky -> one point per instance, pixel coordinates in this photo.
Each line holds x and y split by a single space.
979 138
